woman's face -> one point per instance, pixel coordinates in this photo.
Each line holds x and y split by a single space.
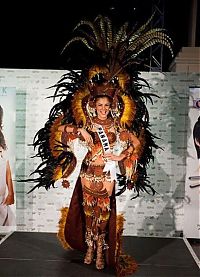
102 107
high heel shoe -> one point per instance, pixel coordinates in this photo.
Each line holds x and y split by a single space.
90 250
100 263
89 255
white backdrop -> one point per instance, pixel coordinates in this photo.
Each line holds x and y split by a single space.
161 215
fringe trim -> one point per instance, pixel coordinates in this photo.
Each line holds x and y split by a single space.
119 230
61 228
125 264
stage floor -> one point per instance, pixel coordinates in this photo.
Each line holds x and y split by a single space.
27 254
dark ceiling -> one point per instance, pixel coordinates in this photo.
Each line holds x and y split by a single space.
33 34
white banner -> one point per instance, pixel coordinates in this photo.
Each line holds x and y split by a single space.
192 184
7 160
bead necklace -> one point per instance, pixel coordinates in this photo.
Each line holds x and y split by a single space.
106 123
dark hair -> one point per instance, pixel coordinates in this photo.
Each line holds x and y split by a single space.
2 141
198 103
196 136
103 96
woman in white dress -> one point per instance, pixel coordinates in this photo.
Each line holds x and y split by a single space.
7 217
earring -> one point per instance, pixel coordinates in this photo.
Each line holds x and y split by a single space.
91 111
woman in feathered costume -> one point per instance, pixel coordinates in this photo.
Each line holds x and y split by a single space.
101 108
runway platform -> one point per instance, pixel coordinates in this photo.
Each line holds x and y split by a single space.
28 254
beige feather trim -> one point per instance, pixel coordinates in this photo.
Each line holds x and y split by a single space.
55 136
61 228
77 106
129 111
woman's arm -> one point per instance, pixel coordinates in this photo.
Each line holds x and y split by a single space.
114 157
135 146
77 132
131 151
10 197
68 128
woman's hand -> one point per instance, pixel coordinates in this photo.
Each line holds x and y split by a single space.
87 137
113 157
9 200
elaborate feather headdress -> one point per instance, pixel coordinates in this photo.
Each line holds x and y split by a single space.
118 52
119 48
